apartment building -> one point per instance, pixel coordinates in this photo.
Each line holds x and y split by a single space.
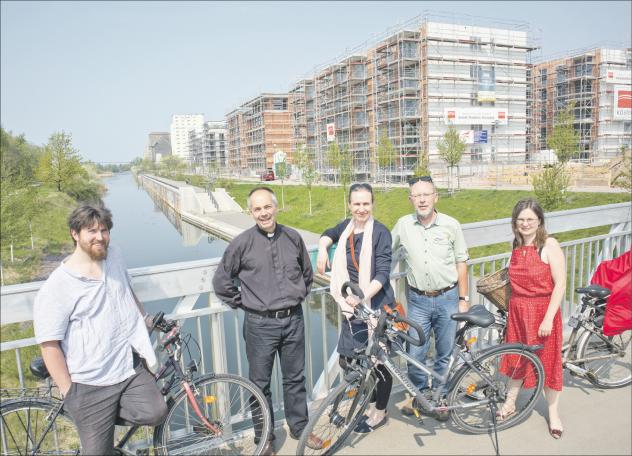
158 146
181 124
411 86
597 82
207 146
258 129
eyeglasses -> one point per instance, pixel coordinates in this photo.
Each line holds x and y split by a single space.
414 180
528 221
422 195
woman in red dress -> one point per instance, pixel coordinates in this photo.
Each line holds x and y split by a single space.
537 272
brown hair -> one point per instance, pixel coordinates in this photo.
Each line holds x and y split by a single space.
540 234
85 216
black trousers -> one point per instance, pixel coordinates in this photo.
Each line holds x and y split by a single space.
265 337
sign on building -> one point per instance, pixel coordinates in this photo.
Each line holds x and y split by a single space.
622 108
467 136
331 132
618 76
475 116
480 137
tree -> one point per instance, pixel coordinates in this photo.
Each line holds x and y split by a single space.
334 155
385 154
421 168
451 149
281 172
172 165
304 160
60 164
564 140
551 185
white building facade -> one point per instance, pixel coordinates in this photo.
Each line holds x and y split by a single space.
181 124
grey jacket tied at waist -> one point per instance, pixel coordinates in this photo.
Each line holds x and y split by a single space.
275 272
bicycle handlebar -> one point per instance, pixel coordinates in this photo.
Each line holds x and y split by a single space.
384 318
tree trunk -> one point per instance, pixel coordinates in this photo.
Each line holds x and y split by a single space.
310 202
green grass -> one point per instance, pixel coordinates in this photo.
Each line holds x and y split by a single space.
466 206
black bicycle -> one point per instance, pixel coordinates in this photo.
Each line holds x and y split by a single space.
477 381
210 414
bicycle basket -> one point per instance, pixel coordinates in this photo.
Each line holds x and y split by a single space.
496 288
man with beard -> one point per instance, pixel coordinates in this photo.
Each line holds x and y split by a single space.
437 278
94 338
274 268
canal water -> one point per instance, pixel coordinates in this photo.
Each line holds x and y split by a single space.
150 234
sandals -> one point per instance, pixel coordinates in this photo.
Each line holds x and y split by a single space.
504 414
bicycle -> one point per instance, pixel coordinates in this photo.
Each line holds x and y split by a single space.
475 384
210 414
605 361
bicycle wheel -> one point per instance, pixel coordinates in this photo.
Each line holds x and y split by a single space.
607 359
232 405
24 429
473 392
337 415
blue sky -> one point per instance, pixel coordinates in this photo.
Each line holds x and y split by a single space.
111 72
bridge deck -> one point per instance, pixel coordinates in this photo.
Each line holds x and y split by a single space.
595 422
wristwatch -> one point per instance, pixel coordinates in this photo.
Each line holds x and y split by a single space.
464 298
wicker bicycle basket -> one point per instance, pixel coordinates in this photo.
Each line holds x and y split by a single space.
496 288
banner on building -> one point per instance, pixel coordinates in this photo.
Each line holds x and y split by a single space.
486 84
475 116
331 132
618 76
467 136
622 103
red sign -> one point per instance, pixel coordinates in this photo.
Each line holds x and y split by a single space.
625 99
501 114
451 115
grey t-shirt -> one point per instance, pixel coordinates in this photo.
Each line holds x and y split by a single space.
96 320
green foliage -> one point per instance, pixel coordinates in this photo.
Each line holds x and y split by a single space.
623 177
451 147
60 164
551 186
564 140
172 165
18 159
421 169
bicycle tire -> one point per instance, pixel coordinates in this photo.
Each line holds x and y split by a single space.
227 401
468 387
337 416
24 423
606 373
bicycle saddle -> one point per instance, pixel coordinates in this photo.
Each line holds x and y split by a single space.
594 291
477 315
38 368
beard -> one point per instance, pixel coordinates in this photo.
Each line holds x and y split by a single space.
94 251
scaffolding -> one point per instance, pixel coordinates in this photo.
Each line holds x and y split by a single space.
580 78
401 83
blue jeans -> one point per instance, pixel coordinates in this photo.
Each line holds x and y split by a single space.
432 313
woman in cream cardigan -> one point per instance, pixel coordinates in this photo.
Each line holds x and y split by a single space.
365 260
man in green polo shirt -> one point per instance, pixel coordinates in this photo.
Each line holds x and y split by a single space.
437 279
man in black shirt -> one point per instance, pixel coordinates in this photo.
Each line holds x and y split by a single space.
273 266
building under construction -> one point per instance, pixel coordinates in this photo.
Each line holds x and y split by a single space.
257 130
597 82
410 87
